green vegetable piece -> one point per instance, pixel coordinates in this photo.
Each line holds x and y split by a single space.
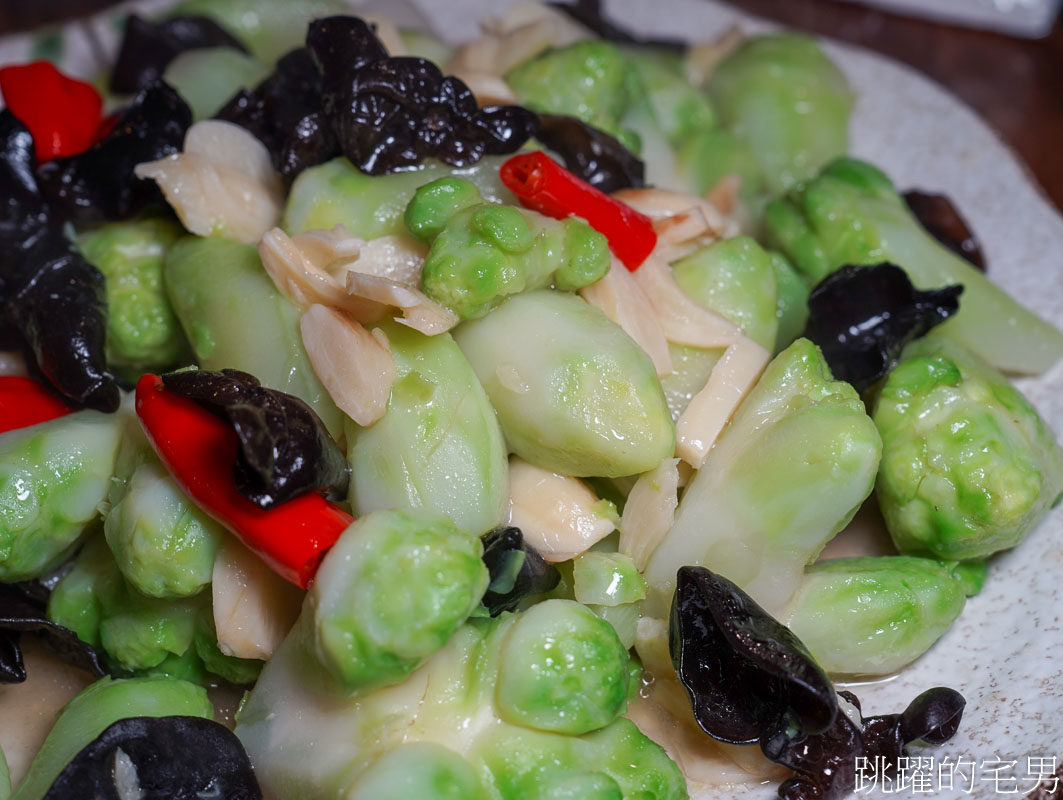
75 601
185 667
142 332
691 367
53 476
98 707
433 205
421 770
439 446
337 193
874 615
971 575
233 669
968 465
207 78
391 592
562 669
485 251
706 157
851 214
235 318
788 472
606 579
678 107
574 394
590 80
624 619
141 632
792 301
269 30
734 277
638 764
164 545
791 103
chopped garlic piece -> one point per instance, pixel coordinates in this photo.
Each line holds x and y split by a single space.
419 311
649 512
399 258
330 250
223 184
558 515
709 410
658 204
356 368
683 319
254 608
619 297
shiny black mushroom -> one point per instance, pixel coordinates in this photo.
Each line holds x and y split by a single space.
516 569
943 221
165 758
284 450
590 153
862 317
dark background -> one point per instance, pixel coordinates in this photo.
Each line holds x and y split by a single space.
1014 84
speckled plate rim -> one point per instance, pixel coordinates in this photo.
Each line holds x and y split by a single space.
1000 653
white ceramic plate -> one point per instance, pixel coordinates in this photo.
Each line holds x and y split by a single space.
1005 654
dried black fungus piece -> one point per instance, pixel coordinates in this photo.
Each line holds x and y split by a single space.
49 294
148 47
98 185
284 113
390 113
826 763
516 569
747 675
172 758
23 611
943 221
284 447
591 153
589 14
862 317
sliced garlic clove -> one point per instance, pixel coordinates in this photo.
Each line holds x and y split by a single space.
330 249
398 258
356 367
649 511
254 608
683 319
558 515
233 147
418 310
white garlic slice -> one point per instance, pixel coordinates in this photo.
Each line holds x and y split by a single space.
649 511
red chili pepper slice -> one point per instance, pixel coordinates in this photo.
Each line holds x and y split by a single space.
542 185
198 450
62 113
25 402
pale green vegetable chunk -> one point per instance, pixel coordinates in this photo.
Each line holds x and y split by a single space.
207 78
482 252
624 618
562 669
438 446
606 579
142 332
875 615
141 633
53 477
791 103
337 193
164 545
76 601
98 707
691 367
233 669
391 592
709 156
851 214
235 318
968 465
590 80
792 301
573 392
421 770
734 277
787 473
679 108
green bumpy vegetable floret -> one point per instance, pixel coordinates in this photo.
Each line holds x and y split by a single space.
439 446
53 478
851 214
99 706
482 252
573 392
789 471
519 707
968 465
875 615
142 332
785 98
590 80
393 589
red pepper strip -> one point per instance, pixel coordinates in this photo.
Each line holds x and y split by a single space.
62 113
25 402
544 186
198 449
